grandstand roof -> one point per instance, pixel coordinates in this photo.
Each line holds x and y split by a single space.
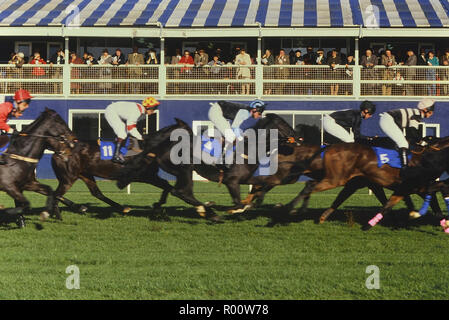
222 13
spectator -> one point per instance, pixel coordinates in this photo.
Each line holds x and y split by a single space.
444 76
118 58
201 59
56 73
445 56
334 61
90 60
388 60
152 57
310 56
422 59
297 59
243 59
58 58
17 59
215 70
75 72
282 72
267 58
175 59
398 87
219 53
410 72
105 58
369 61
348 74
186 70
431 73
38 72
320 59
215 65
85 57
136 59
342 56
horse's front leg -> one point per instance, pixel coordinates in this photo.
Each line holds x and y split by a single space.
22 206
51 203
394 199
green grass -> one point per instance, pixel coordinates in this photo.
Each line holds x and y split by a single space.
252 256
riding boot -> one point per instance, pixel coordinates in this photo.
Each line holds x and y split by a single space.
403 156
118 157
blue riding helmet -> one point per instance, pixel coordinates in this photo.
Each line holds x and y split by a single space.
259 105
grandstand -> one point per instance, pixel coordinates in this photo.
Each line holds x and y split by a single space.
301 93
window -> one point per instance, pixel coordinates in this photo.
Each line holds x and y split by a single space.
91 124
310 118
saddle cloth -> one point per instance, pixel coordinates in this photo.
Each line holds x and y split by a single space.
384 156
107 149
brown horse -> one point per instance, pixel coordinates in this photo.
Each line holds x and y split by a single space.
343 162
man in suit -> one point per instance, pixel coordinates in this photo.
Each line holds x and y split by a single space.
411 72
369 61
136 58
283 73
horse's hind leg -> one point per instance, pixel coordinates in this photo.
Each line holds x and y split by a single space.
303 195
23 206
91 184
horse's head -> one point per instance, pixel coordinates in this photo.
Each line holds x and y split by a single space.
286 134
52 128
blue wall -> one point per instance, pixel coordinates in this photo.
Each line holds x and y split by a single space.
189 110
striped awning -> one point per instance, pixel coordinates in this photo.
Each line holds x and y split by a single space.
226 13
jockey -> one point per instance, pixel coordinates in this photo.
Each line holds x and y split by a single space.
123 116
339 122
222 112
22 99
394 121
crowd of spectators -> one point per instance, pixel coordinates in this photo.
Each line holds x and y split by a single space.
201 64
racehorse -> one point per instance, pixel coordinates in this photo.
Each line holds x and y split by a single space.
48 131
232 177
342 162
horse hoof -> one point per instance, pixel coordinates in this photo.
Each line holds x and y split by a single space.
44 216
278 205
126 210
20 221
414 215
322 220
83 209
239 210
201 210
293 212
209 204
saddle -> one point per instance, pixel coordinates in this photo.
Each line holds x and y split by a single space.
130 148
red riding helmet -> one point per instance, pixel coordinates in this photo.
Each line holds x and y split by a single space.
22 95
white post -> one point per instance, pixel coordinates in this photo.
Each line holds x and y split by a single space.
356 76
66 70
128 189
162 71
259 69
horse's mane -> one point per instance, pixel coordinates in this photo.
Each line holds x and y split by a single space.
274 121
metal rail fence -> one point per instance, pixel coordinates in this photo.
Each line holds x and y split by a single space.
226 80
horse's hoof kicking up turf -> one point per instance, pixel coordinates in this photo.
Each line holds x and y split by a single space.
20 221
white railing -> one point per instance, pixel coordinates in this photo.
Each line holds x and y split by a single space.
225 80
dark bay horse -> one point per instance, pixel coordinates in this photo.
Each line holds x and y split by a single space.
234 176
48 131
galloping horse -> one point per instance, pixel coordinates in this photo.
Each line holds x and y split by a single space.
234 176
48 131
342 162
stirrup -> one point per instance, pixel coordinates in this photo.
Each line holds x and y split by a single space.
118 160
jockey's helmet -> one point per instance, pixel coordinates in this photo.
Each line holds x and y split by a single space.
368 105
259 105
150 103
427 104
22 95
